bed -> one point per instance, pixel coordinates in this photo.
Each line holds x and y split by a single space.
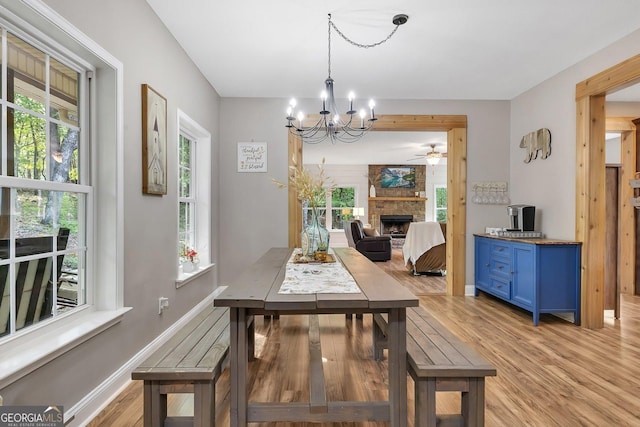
425 248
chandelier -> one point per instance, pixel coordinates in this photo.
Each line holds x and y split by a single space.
332 125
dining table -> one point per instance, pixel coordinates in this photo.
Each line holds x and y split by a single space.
264 288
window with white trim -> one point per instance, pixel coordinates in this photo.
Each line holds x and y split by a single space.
44 186
194 197
186 194
440 204
340 201
64 186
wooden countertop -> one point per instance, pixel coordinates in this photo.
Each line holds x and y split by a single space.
535 241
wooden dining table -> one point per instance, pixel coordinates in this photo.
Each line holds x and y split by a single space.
256 292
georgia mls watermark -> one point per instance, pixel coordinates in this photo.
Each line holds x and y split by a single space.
31 416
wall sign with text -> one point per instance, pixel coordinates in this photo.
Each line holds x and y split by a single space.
252 157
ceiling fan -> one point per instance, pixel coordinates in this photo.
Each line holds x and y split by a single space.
433 157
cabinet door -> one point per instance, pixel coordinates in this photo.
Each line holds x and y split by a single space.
524 276
483 263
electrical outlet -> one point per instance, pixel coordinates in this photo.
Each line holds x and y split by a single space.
163 302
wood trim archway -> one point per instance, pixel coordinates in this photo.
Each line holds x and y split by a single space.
626 211
456 128
590 180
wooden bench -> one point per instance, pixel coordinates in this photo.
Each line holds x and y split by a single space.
190 362
438 361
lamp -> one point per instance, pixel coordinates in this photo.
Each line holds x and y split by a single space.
358 212
332 125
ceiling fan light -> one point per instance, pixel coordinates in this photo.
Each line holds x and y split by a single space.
433 160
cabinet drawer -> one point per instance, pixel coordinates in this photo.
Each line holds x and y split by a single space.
500 249
501 267
501 287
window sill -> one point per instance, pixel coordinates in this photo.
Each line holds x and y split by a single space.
184 278
27 352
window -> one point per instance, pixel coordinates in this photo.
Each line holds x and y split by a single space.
186 194
194 199
57 179
43 185
440 205
340 202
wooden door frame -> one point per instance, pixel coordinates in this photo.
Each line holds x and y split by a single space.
626 212
591 126
456 128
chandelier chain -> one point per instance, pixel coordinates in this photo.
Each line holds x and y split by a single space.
348 40
360 45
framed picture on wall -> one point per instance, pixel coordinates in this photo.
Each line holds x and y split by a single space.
154 142
398 177
252 156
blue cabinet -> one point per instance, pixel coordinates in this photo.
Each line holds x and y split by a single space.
539 275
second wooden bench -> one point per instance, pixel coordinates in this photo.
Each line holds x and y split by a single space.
190 362
438 361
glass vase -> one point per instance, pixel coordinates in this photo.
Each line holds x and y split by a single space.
314 237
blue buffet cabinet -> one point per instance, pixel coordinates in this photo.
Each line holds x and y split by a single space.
538 275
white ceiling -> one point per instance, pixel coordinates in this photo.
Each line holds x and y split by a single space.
378 148
454 49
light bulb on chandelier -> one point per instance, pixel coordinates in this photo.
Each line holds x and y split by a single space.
331 124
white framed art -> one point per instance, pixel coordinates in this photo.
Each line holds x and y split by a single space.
252 157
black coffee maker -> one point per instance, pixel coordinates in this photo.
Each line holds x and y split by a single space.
522 217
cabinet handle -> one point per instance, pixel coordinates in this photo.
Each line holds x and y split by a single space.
513 272
499 249
487 265
500 267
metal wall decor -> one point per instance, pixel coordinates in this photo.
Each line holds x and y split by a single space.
539 140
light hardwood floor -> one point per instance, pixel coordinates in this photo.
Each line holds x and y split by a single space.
555 374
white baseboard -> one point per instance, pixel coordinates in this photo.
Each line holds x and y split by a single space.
88 408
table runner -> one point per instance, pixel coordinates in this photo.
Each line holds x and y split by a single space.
317 278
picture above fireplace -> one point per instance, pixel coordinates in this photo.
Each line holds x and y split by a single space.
398 177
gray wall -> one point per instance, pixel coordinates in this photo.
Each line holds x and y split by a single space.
131 32
550 184
253 214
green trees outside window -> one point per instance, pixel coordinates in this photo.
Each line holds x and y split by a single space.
441 203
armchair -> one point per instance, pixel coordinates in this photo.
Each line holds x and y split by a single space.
376 248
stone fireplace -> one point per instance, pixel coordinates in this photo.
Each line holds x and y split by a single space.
397 201
395 225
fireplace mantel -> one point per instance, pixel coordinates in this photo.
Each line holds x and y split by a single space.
398 199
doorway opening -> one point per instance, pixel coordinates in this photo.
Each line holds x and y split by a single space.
591 126
456 129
